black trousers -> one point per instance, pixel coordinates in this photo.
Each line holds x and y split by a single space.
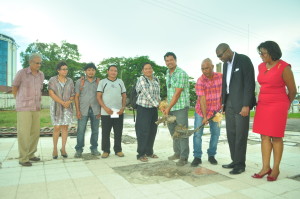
146 130
107 124
237 128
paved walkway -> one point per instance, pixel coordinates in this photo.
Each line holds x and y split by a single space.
81 178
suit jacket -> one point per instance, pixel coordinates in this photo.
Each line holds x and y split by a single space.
242 83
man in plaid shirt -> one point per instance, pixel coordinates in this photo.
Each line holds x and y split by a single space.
179 102
208 89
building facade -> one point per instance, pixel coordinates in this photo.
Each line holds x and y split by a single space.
8 60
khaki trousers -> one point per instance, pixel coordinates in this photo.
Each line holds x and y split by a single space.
28 129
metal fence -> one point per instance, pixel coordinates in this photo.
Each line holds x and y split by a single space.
8 102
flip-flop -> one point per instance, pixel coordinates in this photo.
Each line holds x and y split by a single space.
143 159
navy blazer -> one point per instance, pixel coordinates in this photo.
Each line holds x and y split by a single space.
242 83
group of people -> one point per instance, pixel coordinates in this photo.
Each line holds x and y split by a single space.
232 93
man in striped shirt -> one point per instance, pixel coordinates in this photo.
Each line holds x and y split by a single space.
208 89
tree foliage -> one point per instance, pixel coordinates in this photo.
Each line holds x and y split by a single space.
129 69
53 53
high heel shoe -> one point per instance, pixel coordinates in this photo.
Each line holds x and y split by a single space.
271 178
54 156
256 175
63 155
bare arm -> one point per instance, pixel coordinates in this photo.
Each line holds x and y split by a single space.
58 100
289 80
100 101
203 108
123 104
173 100
15 91
78 114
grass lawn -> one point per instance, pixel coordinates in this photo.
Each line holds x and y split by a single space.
9 118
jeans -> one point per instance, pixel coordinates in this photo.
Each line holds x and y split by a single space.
181 145
81 131
197 139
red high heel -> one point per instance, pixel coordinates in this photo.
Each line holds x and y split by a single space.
256 175
271 178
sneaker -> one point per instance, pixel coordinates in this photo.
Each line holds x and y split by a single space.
196 162
95 152
120 154
181 162
174 157
212 160
105 155
78 154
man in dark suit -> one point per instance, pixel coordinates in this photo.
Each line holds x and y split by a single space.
238 98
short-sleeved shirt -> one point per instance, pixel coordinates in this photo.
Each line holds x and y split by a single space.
87 96
111 93
212 90
178 79
148 92
30 87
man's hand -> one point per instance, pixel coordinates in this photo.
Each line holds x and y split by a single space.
98 116
166 111
108 111
121 111
204 121
245 111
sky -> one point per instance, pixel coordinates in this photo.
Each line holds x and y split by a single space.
192 29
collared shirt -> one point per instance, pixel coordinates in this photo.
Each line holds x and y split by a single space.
178 79
229 70
148 92
212 90
29 93
112 93
87 96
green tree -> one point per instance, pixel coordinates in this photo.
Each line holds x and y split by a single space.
51 54
129 69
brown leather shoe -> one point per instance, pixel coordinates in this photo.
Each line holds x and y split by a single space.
25 164
120 154
35 159
104 155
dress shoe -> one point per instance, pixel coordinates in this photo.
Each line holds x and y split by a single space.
237 171
181 162
196 162
174 157
256 175
212 160
25 164
228 166
63 155
120 154
35 159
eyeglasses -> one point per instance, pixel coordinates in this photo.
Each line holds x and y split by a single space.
262 53
38 63
221 55
64 69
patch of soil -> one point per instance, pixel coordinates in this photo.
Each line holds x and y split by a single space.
150 173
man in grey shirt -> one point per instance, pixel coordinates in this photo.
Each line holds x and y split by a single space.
112 98
87 107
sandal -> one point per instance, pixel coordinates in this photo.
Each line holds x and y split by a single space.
143 159
152 156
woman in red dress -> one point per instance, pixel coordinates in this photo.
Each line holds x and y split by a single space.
273 104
